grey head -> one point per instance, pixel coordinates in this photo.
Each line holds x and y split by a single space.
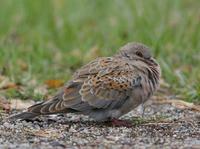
137 51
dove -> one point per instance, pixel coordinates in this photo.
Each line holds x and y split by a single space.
106 88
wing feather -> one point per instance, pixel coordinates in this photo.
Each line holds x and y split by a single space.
106 80
103 83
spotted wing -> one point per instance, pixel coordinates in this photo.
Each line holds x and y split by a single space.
106 80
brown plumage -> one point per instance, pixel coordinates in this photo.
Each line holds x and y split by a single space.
105 88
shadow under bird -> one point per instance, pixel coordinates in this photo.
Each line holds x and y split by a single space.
106 88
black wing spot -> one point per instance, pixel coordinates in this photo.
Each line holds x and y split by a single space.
137 81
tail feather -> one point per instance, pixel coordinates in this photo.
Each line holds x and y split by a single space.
36 108
43 108
24 116
52 106
31 112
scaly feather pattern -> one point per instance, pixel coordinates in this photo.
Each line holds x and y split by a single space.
107 87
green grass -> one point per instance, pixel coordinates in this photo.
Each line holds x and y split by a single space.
55 37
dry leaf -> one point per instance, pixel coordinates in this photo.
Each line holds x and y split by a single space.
180 104
41 133
2 78
10 85
5 83
20 104
54 83
47 133
4 104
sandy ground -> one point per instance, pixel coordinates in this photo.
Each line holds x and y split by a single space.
163 125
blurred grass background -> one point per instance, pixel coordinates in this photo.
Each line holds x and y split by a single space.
49 39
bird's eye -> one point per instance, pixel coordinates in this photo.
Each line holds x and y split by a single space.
138 53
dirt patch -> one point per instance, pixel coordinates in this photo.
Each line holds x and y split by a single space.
163 125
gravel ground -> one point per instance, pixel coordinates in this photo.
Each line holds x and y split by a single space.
162 126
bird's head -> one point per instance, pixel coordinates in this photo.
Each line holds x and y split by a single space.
138 52
139 55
